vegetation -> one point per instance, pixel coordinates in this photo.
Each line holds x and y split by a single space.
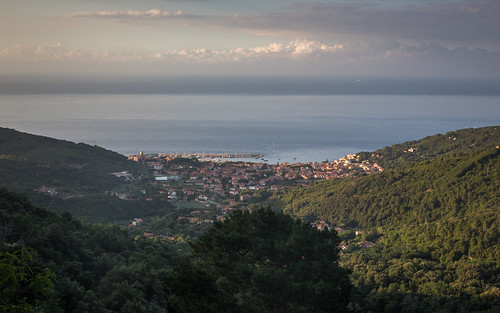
64 176
437 225
97 268
51 152
261 262
453 142
100 208
252 259
22 288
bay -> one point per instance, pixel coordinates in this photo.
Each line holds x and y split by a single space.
284 128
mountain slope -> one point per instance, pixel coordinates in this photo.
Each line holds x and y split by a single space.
98 268
459 141
53 152
65 176
435 226
455 182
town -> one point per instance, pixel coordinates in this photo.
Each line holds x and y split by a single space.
205 187
196 177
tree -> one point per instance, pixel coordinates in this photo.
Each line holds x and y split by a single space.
21 286
261 262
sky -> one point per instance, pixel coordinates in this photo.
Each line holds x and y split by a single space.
356 38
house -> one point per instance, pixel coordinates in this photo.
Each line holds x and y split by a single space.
342 246
275 187
339 230
366 244
322 225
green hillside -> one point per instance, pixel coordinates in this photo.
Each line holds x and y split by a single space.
55 263
418 192
97 268
435 226
29 161
16 145
65 176
460 141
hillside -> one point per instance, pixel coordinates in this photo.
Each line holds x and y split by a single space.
29 161
435 228
459 141
97 268
419 192
16 145
65 176
55 263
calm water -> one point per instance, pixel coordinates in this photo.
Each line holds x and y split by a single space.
288 128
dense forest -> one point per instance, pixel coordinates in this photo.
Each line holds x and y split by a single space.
261 261
96 268
52 263
435 227
459 141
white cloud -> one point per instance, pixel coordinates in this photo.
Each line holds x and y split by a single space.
299 48
153 13
299 56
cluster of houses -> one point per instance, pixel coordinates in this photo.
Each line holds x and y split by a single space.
227 185
231 178
343 167
49 191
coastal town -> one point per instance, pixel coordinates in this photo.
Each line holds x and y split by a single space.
205 188
195 177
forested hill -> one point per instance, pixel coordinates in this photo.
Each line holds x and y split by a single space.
65 176
16 145
447 187
250 262
435 226
460 141
28 162
97 268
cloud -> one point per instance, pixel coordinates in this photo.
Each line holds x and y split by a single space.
300 48
58 53
454 21
153 13
474 22
40 52
300 56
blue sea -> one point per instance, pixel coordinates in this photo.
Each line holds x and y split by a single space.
285 128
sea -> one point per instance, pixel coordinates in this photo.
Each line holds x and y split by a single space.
284 128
